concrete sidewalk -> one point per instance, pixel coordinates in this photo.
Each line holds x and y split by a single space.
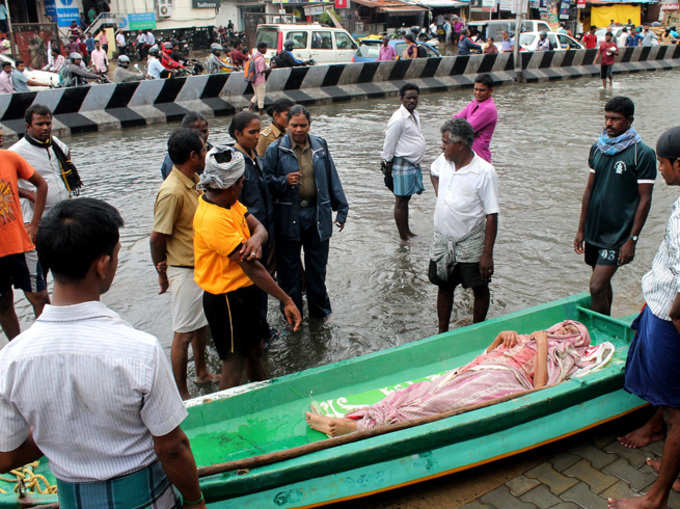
578 472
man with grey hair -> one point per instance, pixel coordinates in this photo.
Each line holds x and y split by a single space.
465 221
227 249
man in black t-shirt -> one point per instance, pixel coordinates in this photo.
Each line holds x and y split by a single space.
616 200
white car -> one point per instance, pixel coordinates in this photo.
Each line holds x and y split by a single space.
34 74
528 41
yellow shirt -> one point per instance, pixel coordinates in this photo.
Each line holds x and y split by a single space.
218 232
268 135
173 215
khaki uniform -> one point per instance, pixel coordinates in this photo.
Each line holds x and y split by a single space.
268 135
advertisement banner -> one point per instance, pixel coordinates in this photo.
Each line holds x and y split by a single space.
341 4
565 5
51 9
670 6
581 4
205 4
141 21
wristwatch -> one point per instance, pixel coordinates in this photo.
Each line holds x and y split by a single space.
634 238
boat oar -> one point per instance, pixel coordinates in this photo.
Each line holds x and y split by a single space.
294 452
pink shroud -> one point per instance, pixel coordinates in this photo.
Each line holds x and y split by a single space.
494 374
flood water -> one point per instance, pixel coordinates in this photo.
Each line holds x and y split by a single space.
378 285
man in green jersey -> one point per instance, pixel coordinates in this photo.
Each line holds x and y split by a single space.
616 200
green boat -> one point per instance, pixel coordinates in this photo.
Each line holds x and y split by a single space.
265 420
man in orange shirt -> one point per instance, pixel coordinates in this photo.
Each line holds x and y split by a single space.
15 239
227 248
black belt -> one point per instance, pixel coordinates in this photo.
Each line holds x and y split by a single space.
182 266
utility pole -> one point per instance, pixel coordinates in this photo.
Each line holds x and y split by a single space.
519 8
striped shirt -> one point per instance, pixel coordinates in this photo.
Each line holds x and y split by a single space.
93 389
661 284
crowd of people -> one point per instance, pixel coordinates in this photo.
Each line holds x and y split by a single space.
236 223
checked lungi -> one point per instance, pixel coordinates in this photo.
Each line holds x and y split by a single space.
408 177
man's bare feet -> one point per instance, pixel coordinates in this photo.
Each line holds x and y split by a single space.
656 466
411 234
634 503
644 435
207 378
331 426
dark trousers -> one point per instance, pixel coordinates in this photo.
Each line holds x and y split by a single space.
316 257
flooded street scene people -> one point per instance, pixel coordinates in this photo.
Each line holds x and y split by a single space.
144 364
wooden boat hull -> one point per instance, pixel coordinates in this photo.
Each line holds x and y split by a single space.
269 416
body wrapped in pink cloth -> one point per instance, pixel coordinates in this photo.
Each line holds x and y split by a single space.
513 363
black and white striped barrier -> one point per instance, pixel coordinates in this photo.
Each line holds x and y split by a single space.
122 105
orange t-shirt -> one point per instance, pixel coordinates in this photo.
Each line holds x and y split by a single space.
13 236
218 232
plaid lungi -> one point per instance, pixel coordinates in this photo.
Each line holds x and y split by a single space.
145 488
408 178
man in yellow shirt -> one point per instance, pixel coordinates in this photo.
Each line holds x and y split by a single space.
227 249
172 252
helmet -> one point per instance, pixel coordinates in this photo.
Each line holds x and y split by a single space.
167 45
215 47
288 45
544 34
153 51
75 56
124 60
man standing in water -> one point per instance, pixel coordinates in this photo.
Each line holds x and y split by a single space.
305 188
605 54
616 200
654 354
465 222
172 252
88 391
403 149
482 115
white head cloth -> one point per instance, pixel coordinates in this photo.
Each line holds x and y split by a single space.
222 175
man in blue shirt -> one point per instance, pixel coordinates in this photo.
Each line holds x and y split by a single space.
21 82
154 68
465 45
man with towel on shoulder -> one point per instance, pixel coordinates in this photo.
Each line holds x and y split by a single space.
654 354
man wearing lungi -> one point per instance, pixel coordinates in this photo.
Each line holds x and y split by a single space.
403 149
652 366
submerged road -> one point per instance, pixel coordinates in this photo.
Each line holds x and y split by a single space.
378 285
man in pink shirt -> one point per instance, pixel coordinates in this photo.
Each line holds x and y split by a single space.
99 60
482 115
387 52
258 77
6 79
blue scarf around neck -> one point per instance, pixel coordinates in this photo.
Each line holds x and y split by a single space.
612 146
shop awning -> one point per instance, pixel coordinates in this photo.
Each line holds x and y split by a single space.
395 7
621 2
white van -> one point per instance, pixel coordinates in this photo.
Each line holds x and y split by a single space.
325 45
495 28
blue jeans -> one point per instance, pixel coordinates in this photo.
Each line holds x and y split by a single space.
289 268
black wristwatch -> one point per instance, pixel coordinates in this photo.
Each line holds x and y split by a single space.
634 238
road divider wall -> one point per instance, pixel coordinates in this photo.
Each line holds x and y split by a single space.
122 105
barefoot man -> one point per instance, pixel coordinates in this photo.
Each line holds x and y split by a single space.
653 356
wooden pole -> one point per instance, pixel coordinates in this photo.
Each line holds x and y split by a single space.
295 452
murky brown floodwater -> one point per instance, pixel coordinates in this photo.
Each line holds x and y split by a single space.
378 285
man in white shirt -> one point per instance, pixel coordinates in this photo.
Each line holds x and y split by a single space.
87 390
654 353
403 149
465 221
37 147
121 43
154 68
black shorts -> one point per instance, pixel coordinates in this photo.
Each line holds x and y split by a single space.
601 256
15 271
237 320
606 71
465 274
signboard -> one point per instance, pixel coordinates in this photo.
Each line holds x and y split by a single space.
141 21
316 10
489 4
520 6
51 9
341 4
581 4
565 5
670 6
506 5
205 4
